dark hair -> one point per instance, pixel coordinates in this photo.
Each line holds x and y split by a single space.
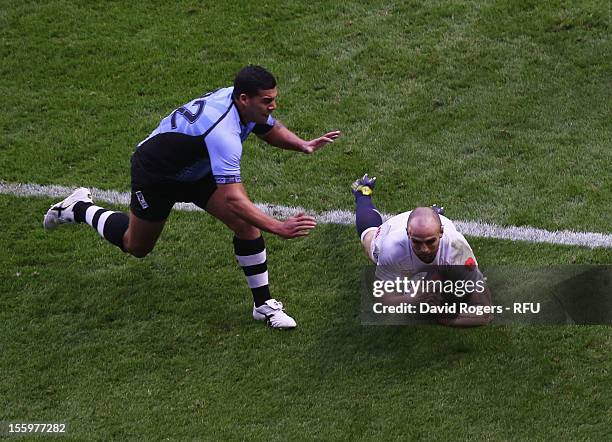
252 79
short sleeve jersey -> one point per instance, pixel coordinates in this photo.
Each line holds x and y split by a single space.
200 138
395 258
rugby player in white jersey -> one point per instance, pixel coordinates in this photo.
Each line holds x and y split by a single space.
194 156
418 242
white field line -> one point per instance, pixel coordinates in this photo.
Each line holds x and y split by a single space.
468 228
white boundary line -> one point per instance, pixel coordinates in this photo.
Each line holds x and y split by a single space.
468 228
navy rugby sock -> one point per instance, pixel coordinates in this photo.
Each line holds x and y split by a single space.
109 224
251 256
366 214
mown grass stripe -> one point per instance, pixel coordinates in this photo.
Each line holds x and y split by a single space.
343 217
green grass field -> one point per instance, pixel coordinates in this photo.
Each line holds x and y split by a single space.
498 110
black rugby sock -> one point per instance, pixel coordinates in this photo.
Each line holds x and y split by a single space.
109 224
79 211
251 256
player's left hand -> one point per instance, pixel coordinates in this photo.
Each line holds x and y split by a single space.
318 143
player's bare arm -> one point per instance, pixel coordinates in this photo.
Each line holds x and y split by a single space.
237 201
280 136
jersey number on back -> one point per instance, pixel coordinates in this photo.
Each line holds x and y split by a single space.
191 117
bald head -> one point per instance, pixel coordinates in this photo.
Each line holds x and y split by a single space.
424 220
425 231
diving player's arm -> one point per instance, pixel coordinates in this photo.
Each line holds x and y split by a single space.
464 260
237 201
280 136
472 320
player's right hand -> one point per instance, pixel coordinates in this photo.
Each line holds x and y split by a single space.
295 226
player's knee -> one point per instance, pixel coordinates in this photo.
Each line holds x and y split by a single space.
138 250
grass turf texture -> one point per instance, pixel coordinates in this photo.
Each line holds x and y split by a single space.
498 111
165 347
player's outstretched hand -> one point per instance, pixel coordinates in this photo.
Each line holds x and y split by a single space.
318 143
295 226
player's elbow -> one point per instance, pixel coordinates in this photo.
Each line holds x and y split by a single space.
234 207
232 198
232 203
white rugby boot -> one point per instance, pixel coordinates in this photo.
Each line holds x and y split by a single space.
62 212
272 312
